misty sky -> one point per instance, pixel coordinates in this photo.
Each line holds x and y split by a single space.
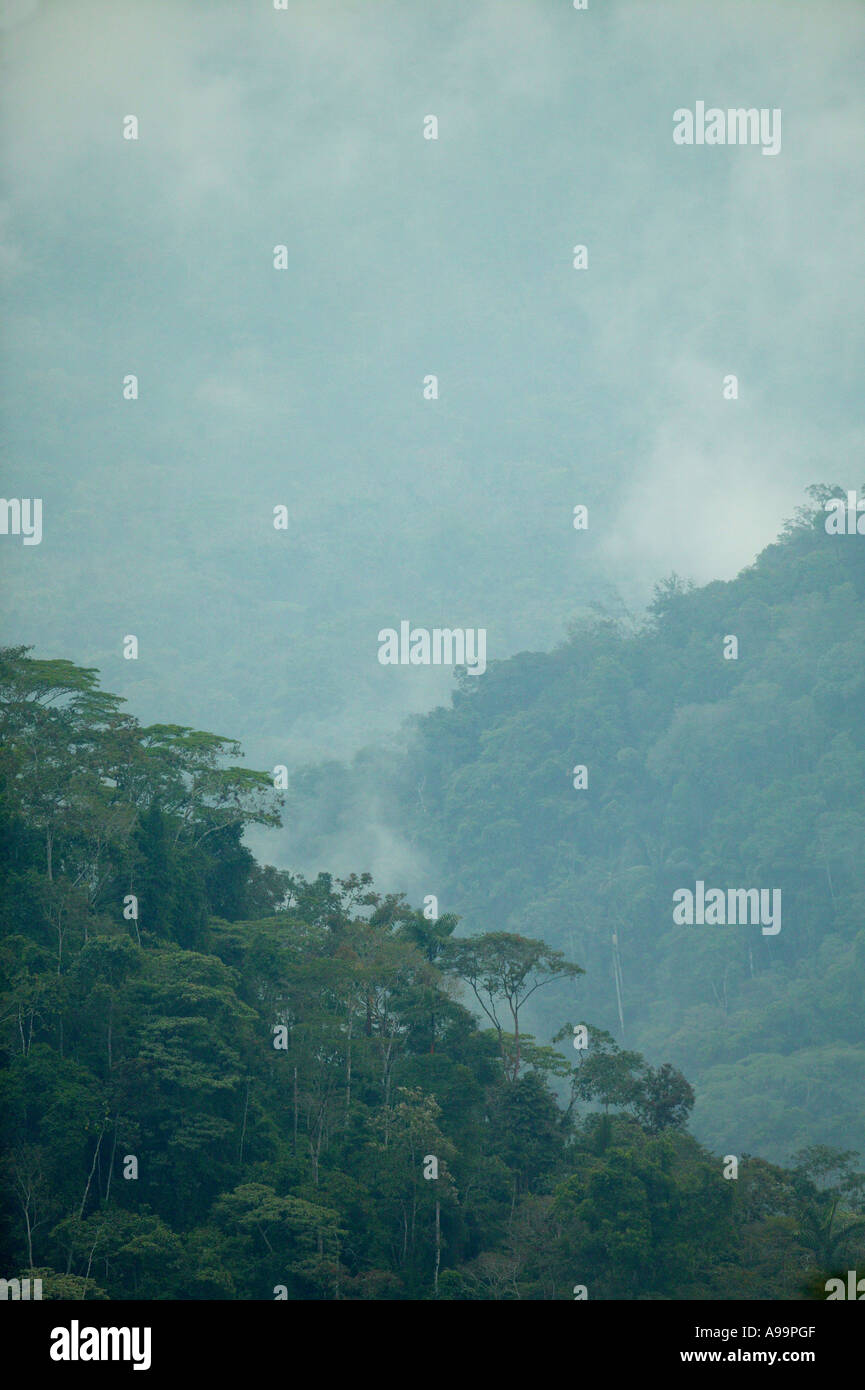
407 257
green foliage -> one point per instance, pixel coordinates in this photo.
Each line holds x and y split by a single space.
203 1106
738 772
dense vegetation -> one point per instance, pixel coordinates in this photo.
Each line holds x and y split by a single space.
741 773
224 1081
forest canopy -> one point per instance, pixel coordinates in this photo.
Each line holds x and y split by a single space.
226 1081
741 773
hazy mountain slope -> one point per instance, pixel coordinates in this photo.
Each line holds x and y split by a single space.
742 773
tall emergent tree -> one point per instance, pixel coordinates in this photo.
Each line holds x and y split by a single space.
502 968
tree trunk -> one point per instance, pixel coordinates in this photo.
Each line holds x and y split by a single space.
90 1260
315 1149
294 1140
29 1234
111 1164
90 1178
243 1126
348 1066
517 1044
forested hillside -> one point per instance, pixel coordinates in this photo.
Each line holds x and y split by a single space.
222 1081
738 772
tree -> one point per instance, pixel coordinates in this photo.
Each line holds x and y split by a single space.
608 1075
503 967
665 1099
